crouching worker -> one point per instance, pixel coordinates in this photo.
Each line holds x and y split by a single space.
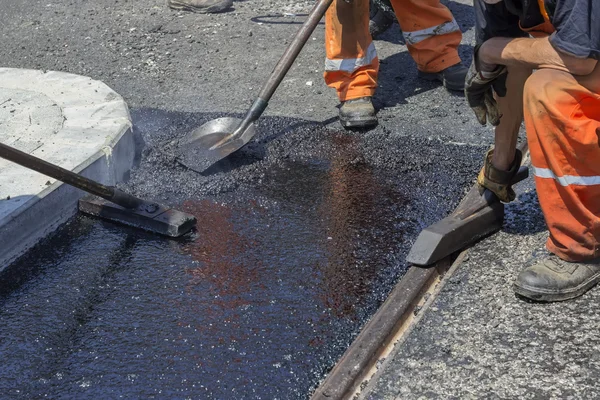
560 103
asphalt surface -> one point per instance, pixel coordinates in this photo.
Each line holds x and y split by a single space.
478 340
301 234
190 63
291 256
178 70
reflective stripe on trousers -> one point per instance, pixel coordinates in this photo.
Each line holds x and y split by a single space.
413 38
432 37
562 119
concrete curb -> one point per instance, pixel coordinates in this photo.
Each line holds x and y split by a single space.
70 120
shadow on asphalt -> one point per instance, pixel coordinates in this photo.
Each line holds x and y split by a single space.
524 216
398 80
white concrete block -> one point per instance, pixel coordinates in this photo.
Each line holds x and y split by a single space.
73 121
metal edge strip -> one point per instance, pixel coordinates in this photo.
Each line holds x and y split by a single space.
380 332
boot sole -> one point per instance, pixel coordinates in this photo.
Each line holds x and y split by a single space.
215 8
550 296
359 123
431 76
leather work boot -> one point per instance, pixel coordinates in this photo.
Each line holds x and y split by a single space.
200 6
452 77
379 23
358 113
554 279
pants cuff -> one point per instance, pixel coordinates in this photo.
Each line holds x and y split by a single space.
445 61
356 93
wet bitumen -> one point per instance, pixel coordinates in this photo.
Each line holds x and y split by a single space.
300 237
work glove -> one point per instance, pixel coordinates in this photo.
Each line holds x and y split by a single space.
499 181
479 91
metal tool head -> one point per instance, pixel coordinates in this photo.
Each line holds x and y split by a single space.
212 142
149 216
475 217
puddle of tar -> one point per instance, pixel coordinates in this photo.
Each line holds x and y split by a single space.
259 302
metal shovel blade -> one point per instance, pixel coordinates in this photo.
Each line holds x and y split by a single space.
212 142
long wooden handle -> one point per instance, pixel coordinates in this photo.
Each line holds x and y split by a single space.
288 58
283 66
54 171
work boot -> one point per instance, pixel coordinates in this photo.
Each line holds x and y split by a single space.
358 113
452 77
554 279
379 23
200 6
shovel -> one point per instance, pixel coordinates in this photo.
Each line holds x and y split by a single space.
220 137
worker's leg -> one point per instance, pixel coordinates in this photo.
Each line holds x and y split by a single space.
351 66
431 33
562 119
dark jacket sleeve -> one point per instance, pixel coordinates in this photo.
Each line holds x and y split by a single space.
494 20
577 24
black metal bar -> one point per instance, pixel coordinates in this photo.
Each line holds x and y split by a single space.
54 171
475 217
162 219
379 332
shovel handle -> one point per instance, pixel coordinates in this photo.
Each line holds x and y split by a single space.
284 65
288 58
54 171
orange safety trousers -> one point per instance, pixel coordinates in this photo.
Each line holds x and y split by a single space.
430 31
562 119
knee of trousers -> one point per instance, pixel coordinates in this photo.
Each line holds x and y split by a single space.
544 94
544 85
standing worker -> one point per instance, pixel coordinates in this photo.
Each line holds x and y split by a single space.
432 37
560 103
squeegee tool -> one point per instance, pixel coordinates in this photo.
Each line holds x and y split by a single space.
113 204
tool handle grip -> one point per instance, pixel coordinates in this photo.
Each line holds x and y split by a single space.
290 54
283 66
54 171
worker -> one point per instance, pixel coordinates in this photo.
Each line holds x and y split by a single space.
432 37
200 6
560 103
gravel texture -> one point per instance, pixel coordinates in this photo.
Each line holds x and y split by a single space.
182 62
177 70
478 340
